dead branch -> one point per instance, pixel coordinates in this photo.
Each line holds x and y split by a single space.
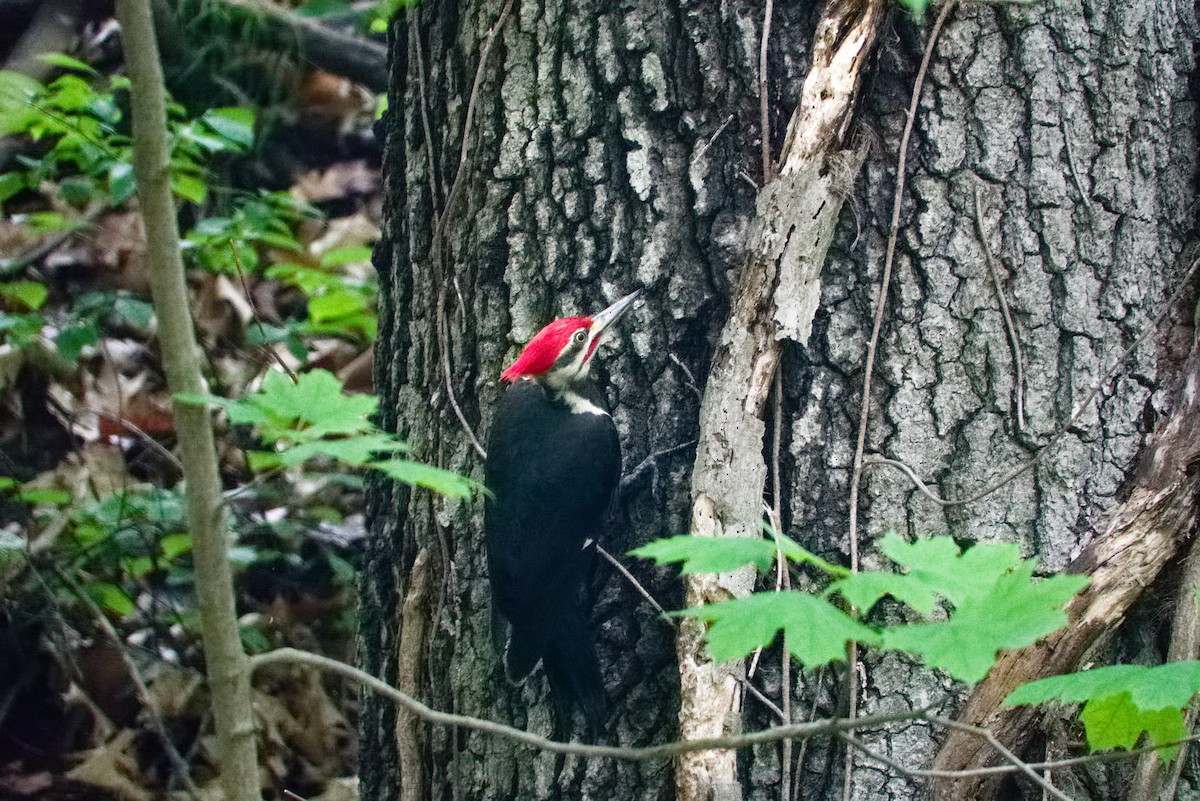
776 297
1145 533
414 624
361 60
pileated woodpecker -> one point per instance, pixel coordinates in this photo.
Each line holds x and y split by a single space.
553 463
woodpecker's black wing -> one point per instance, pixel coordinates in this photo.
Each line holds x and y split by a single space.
552 473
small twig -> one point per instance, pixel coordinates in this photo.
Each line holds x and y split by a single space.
1004 752
180 767
812 713
764 700
1018 358
764 117
637 585
1062 431
630 754
10 268
690 377
141 433
992 770
414 44
468 120
444 347
1087 201
629 479
438 250
254 308
700 153
872 346
783 580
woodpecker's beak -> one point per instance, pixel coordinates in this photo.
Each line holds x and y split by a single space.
601 321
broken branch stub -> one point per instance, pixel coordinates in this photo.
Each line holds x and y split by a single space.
776 298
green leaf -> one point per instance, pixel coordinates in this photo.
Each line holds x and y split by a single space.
321 8
253 639
30 294
11 184
45 497
352 450
423 475
864 590
334 305
77 190
936 562
709 554
234 123
1009 611
72 339
1116 722
137 566
189 187
311 408
48 222
135 310
816 632
723 554
173 546
340 256
802 556
17 113
110 597
121 183
66 62
1173 684
916 8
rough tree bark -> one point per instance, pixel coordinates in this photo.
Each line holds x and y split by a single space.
609 150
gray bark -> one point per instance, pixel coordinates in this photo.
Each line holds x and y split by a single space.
600 161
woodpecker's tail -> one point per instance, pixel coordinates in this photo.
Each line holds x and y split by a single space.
568 655
573 670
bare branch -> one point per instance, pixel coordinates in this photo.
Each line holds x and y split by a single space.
794 731
873 344
1014 341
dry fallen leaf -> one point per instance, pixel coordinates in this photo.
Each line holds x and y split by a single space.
111 768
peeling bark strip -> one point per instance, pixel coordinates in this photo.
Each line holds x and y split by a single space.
1145 533
776 297
410 658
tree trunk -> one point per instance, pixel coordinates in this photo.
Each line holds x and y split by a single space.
610 149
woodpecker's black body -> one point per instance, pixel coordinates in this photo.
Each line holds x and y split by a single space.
552 469
552 473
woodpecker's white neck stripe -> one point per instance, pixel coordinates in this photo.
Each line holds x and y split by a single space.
579 404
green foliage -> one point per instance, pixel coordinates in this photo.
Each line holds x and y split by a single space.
312 418
73 330
994 601
1121 702
337 303
815 631
724 554
265 219
88 147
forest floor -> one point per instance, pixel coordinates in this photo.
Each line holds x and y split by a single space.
101 670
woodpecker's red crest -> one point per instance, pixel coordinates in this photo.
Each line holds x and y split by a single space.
581 334
546 345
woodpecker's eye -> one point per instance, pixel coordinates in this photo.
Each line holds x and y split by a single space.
580 335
